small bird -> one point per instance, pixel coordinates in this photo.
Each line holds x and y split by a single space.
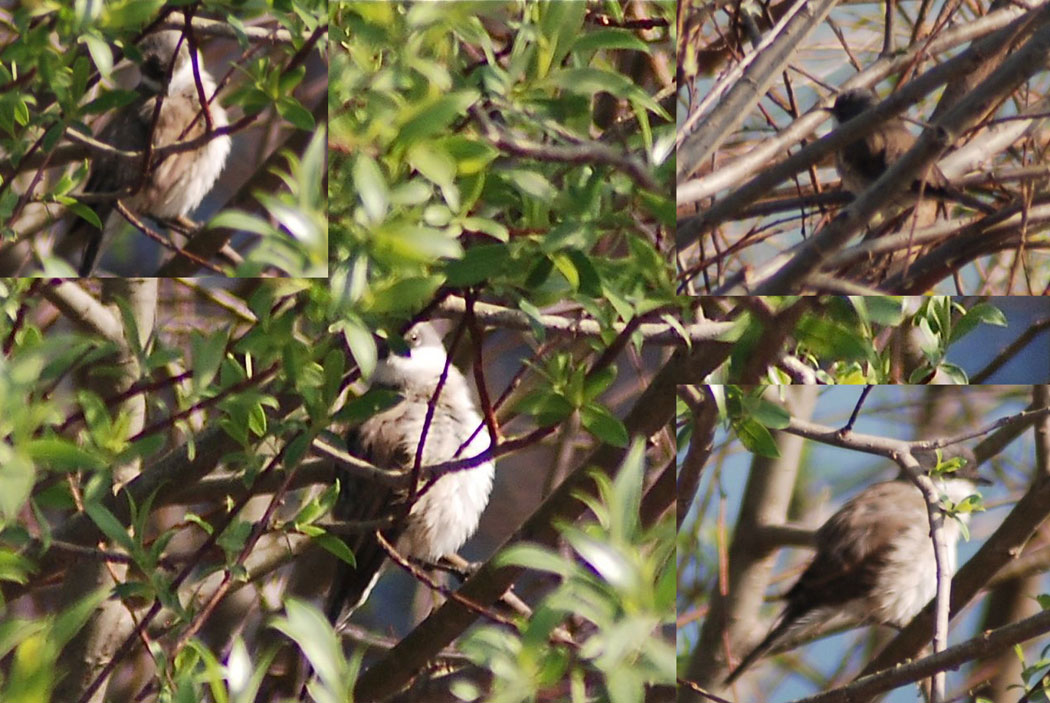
874 559
860 163
443 518
175 185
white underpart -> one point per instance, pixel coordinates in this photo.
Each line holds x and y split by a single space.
909 580
447 514
189 188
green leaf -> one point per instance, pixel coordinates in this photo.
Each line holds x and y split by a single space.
625 497
831 340
409 242
492 228
589 282
333 368
588 81
310 629
566 268
101 54
611 38
405 296
109 525
373 402
548 408
14 568
889 311
436 115
371 187
84 211
769 414
606 560
72 619
292 110
479 263
957 375
61 454
982 312
362 346
337 547
433 162
531 183
208 353
110 100
599 382
756 438
240 220
604 425
533 556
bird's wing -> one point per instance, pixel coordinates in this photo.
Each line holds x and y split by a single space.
854 544
360 500
111 174
897 140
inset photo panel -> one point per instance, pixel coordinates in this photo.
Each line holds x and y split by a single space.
868 340
145 140
221 462
856 149
877 543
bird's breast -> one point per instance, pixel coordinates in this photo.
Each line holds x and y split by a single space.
181 180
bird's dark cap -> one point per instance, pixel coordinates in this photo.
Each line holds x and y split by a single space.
158 56
852 103
421 334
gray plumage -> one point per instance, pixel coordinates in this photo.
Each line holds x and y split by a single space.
874 561
443 518
175 185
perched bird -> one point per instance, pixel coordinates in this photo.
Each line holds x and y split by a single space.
444 517
860 163
874 560
176 184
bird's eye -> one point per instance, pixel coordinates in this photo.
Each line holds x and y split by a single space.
152 67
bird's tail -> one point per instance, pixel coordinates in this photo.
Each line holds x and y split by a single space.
350 589
785 624
84 233
87 263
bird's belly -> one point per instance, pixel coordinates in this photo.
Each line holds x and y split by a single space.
181 180
909 581
448 514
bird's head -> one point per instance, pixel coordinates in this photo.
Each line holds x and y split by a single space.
960 482
419 360
159 50
852 103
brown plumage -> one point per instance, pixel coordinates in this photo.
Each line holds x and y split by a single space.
861 162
